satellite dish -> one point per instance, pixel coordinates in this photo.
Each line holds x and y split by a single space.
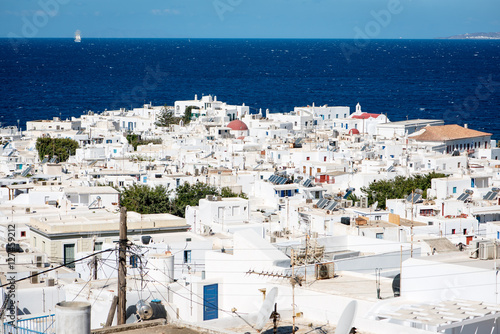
266 309
347 318
374 206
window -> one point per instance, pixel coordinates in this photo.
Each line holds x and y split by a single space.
379 235
23 234
337 116
187 256
98 246
453 231
324 159
465 231
69 255
318 170
430 223
120 183
454 190
308 158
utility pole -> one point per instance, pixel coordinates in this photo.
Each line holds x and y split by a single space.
293 291
122 269
95 258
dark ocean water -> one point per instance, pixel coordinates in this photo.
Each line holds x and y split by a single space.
454 80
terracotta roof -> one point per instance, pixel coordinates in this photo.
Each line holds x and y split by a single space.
365 115
237 125
447 132
354 132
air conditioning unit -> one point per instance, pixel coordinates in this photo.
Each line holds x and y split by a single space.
474 249
325 270
273 240
39 261
314 235
486 250
309 201
219 198
348 203
50 282
364 202
357 204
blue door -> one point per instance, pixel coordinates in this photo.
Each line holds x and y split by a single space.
210 302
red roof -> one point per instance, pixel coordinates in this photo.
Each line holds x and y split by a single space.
354 132
237 125
365 115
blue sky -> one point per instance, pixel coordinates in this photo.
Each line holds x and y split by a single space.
248 18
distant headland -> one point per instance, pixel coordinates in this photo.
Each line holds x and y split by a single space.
475 35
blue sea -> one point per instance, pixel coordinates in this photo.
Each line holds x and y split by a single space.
454 80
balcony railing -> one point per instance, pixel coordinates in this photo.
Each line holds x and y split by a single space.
39 325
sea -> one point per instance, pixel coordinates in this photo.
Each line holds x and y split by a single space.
454 80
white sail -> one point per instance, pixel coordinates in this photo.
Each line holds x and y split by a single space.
78 38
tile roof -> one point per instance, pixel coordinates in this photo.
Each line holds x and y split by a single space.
365 115
447 132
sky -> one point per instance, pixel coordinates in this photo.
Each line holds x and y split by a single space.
247 18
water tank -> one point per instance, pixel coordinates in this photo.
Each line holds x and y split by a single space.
146 239
144 311
345 220
161 267
73 318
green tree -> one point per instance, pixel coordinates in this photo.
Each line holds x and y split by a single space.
136 140
166 117
399 187
60 147
188 114
145 199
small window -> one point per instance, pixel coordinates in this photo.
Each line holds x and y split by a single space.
454 190
453 231
23 234
98 246
379 235
430 223
187 256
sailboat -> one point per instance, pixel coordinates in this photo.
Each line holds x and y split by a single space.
78 38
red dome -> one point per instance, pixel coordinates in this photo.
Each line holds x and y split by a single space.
354 132
237 125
